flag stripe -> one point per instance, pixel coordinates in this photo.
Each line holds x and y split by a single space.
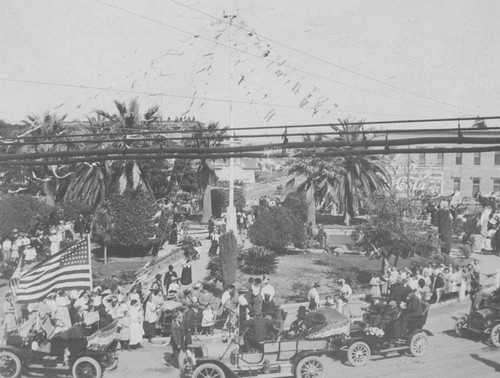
47 281
44 279
74 283
66 270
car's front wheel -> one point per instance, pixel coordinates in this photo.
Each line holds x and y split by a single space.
419 343
495 335
209 370
10 365
310 367
358 353
86 367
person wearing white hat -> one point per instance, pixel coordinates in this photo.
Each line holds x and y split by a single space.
267 289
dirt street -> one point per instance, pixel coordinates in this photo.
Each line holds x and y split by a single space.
448 356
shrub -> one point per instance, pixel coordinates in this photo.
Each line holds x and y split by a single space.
220 200
259 261
124 222
274 228
301 288
228 250
26 213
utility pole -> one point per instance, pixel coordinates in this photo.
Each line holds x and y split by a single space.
231 210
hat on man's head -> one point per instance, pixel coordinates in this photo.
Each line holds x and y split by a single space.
265 279
106 292
197 285
316 284
242 290
15 230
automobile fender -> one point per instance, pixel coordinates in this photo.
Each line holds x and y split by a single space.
427 332
96 355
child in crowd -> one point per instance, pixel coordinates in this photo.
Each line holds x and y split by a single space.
207 321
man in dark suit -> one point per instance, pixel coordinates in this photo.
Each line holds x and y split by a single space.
177 339
399 291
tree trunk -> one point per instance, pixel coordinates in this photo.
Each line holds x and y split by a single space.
105 254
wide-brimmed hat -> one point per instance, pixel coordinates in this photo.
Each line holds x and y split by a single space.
106 292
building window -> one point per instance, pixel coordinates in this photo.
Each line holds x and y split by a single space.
477 158
458 158
456 184
496 185
476 186
440 158
497 157
421 159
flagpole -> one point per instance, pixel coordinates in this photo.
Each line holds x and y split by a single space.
90 262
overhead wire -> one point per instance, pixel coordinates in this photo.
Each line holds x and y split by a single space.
334 145
259 56
320 59
278 154
129 137
137 131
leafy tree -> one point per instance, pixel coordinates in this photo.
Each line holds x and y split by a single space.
125 222
273 228
25 213
394 228
229 249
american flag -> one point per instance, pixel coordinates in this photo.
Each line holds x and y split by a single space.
68 269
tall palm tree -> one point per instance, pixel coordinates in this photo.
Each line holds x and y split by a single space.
50 125
362 175
344 180
91 183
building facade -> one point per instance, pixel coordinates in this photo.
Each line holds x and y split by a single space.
447 173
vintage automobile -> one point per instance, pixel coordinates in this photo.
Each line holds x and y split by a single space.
68 352
365 341
484 318
297 355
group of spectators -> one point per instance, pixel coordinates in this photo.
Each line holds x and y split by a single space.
432 283
32 248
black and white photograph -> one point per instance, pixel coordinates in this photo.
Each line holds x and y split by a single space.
249 188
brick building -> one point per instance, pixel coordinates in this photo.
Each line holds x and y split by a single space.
447 173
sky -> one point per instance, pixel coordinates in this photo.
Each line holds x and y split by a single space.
291 62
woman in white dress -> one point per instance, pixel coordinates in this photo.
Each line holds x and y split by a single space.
136 317
62 312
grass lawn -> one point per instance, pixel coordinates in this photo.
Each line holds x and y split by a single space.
307 268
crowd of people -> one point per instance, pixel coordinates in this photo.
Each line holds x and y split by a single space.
33 248
432 283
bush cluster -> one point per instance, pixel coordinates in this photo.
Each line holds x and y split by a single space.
277 227
124 222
